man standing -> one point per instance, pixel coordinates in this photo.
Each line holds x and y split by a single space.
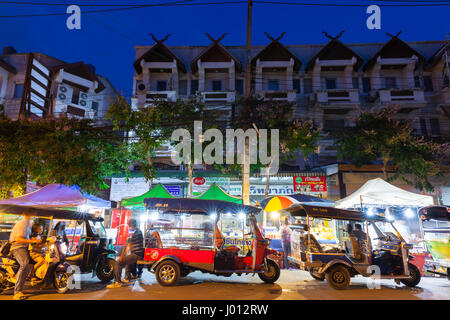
136 248
286 241
20 240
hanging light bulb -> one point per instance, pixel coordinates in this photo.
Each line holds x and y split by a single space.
370 212
409 213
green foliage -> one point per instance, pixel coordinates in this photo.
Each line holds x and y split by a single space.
57 150
381 137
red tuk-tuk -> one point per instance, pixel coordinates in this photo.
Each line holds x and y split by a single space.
185 235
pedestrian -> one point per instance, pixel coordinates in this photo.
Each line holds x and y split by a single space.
20 240
286 241
136 248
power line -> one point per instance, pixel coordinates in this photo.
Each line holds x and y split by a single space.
188 3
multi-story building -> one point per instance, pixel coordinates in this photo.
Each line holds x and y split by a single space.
329 83
40 85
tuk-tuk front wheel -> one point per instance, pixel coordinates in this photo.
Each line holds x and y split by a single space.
414 276
338 277
271 274
168 273
105 270
61 281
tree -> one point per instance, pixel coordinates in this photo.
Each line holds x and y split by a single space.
57 150
294 134
151 127
381 137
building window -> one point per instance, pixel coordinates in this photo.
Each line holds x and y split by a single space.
423 127
194 86
435 128
95 105
390 82
417 82
18 90
366 85
273 85
427 83
182 87
333 125
239 86
307 86
355 83
330 83
296 85
216 85
161 85
75 95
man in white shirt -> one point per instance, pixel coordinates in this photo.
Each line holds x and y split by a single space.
20 240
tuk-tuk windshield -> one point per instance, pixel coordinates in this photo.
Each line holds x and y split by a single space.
98 228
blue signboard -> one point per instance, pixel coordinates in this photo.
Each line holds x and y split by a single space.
174 190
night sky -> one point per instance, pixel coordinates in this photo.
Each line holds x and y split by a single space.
107 40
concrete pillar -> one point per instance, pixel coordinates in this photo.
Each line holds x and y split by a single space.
316 84
3 83
146 76
375 76
175 76
258 80
408 74
289 72
201 76
348 77
232 77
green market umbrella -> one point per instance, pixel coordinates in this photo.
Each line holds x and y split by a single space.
157 191
217 193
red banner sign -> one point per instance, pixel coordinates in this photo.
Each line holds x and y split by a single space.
315 186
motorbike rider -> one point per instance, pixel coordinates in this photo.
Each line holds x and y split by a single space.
20 239
36 250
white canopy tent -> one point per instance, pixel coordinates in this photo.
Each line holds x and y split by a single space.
380 192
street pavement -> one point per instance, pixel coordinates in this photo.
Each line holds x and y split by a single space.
292 285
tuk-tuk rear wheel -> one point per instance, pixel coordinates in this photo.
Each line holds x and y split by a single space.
105 270
338 277
272 273
168 273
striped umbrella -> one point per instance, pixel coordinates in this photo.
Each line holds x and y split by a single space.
277 203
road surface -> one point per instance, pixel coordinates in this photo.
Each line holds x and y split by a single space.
292 285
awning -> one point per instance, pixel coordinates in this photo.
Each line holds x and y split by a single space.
158 191
48 212
217 193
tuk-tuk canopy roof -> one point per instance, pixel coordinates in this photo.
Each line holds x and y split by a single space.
48 212
58 196
215 192
157 191
189 205
440 213
303 210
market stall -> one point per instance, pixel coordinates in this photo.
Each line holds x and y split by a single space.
215 192
378 196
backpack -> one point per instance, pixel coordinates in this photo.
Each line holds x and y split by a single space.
5 249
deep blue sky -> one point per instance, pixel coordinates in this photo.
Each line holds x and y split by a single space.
107 40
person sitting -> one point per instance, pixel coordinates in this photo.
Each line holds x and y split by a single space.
36 249
152 237
60 231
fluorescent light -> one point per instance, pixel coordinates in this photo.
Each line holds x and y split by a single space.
274 214
213 216
409 213
370 212
241 215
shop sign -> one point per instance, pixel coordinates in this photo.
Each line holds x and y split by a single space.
121 189
259 190
201 184
310 185
174 190
199 181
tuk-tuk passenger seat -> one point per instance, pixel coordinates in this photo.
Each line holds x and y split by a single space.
351 245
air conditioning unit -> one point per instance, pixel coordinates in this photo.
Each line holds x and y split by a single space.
83 100
141 87
62 92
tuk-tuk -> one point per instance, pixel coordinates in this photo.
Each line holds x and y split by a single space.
184 235
338 263
435 226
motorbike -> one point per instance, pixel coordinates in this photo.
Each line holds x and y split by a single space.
53 273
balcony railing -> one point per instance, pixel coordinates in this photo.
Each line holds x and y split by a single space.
282 95
218 96
152 96
404 95
338 95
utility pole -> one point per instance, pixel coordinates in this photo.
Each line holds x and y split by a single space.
248 82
